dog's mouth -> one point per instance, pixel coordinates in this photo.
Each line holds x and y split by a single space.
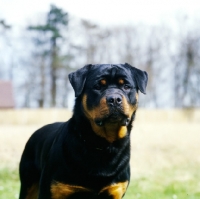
113 118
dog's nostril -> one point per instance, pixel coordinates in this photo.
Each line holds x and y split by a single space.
110 100
114 100
118 100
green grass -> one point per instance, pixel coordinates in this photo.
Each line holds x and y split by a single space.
172 183
9 183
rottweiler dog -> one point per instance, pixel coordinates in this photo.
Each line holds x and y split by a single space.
88 156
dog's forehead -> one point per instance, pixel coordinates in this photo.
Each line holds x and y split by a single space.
111 70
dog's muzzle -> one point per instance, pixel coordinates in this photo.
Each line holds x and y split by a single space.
116 115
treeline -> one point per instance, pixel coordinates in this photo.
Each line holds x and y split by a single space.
39 61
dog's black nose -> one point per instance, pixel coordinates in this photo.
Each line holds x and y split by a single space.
114 100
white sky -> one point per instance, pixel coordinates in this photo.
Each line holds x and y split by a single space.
18 12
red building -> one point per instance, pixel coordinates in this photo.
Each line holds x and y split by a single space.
6 95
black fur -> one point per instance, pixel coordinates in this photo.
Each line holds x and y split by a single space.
71 152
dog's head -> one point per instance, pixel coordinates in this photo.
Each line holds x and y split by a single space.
109 96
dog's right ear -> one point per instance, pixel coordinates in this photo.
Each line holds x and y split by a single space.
78 78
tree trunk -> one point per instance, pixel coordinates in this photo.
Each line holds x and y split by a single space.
53 68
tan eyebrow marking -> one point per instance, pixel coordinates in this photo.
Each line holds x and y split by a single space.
121 81
103 82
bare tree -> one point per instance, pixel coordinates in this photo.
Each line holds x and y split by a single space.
187 68
56 19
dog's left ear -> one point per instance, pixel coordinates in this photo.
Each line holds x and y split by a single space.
141 78
78 78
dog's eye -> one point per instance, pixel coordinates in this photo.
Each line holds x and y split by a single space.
97 87
126 87
100 84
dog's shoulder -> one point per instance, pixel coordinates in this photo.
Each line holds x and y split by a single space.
46 132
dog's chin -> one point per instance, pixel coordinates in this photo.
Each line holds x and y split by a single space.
120 120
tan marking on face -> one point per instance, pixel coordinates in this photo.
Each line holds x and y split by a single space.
63 191
103 82
110 131
122 132
121 81
97 112
137 97
128 108
116 190
33 192
113 131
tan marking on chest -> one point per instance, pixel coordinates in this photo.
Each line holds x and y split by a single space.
115 190
62 191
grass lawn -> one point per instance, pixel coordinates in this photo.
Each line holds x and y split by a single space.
9 183
166 184
165 162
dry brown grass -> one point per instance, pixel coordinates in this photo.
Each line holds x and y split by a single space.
165 151
164 146
155 145
13 139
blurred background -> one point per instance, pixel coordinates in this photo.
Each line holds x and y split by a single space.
41 42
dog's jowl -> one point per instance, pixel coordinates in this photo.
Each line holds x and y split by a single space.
88 156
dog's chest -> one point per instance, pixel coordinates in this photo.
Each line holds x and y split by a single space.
64 191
